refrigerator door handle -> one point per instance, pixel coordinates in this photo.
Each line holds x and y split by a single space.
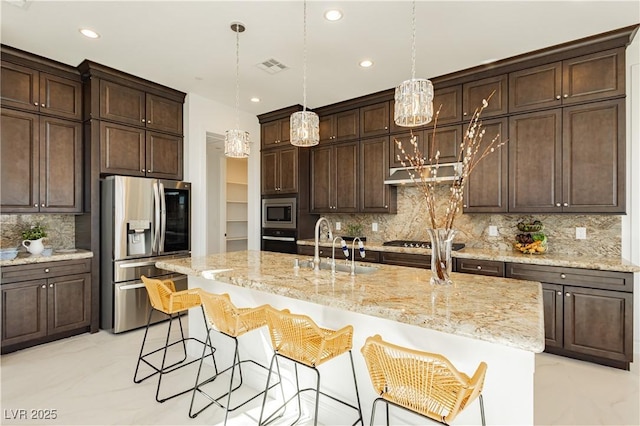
163 219
156 213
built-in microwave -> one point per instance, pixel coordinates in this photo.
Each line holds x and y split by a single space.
279 213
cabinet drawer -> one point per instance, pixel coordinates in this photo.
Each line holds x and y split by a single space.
480 267
605 280
45 270
406 259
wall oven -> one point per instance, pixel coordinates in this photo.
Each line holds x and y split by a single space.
279 213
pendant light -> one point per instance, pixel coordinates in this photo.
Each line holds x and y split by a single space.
236 141
414 97
305 125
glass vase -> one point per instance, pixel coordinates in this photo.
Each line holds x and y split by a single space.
441 240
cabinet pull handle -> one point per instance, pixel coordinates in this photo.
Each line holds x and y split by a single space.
479 267
46 270
559 293
567 294
558 97
563 276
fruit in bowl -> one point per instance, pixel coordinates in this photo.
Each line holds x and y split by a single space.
535 226
531 243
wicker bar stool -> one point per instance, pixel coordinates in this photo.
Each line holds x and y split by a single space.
228 320
299 339
164 298
423 383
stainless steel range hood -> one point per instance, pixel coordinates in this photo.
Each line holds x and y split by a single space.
447 172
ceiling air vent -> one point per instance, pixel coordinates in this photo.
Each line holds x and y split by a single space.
272 66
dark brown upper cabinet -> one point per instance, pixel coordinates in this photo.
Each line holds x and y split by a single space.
475 92
276 132
396 157
375 196
582 79
449 101
280 171
374 119
447 143
486 189
334 178
41 164
342 126
128 105
32 90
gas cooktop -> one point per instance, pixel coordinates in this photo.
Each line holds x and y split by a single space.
418 244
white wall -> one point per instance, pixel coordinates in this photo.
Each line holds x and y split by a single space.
631 222
203 115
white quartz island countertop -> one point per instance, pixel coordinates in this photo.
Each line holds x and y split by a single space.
497 310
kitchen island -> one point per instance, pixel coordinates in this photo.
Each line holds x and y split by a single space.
496 320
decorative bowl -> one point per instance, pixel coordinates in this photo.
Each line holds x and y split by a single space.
8 253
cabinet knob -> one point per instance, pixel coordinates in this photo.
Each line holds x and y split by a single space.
386 206
464 113
143 120
42 205
566 95
386 127
35 103
558 97
142 170
567 294
464 205
50 285
148 121
42 105
44 286
559 293
566 204
563 276
479 268
557 204
46 269
35 204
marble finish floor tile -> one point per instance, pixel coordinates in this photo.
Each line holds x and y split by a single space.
87 379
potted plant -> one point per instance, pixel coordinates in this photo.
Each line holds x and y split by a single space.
32 237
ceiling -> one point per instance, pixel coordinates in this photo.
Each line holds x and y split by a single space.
188 45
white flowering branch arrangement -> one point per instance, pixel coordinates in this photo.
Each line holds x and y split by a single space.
424 172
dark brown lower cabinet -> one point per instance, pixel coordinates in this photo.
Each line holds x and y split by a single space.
588 314
406 259
479 267
44 302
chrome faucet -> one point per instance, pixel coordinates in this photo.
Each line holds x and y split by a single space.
345 250
316 251
353 255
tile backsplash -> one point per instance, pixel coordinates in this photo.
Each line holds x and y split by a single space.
60 229
410 223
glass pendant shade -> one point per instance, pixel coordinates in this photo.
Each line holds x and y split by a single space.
305 128
236 143
414 103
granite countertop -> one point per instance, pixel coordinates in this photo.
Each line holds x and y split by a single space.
25 258
498 310
549 259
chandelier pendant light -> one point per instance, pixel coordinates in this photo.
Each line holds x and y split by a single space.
305 125
236 141
414 97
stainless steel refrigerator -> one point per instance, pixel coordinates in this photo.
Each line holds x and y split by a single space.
142 220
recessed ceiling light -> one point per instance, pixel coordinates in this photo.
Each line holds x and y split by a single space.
254 99
89 33
333 15
366 63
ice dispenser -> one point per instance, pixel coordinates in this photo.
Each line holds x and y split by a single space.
138 237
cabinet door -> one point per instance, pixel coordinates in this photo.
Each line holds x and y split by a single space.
269 172
345 177
19 87
60 96
121 103
374 119
69 302
487 189
288 170
473 93
122 150
19 169
24 311
284 126
596 76
447 141
321 161
60 165
326 128
598 322
396 157
552 299
347 125
535 162
375 196
449 101
538 87
164 156
593 158
163 114
480 267
270 133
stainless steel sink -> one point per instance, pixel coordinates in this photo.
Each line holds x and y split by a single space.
340 267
